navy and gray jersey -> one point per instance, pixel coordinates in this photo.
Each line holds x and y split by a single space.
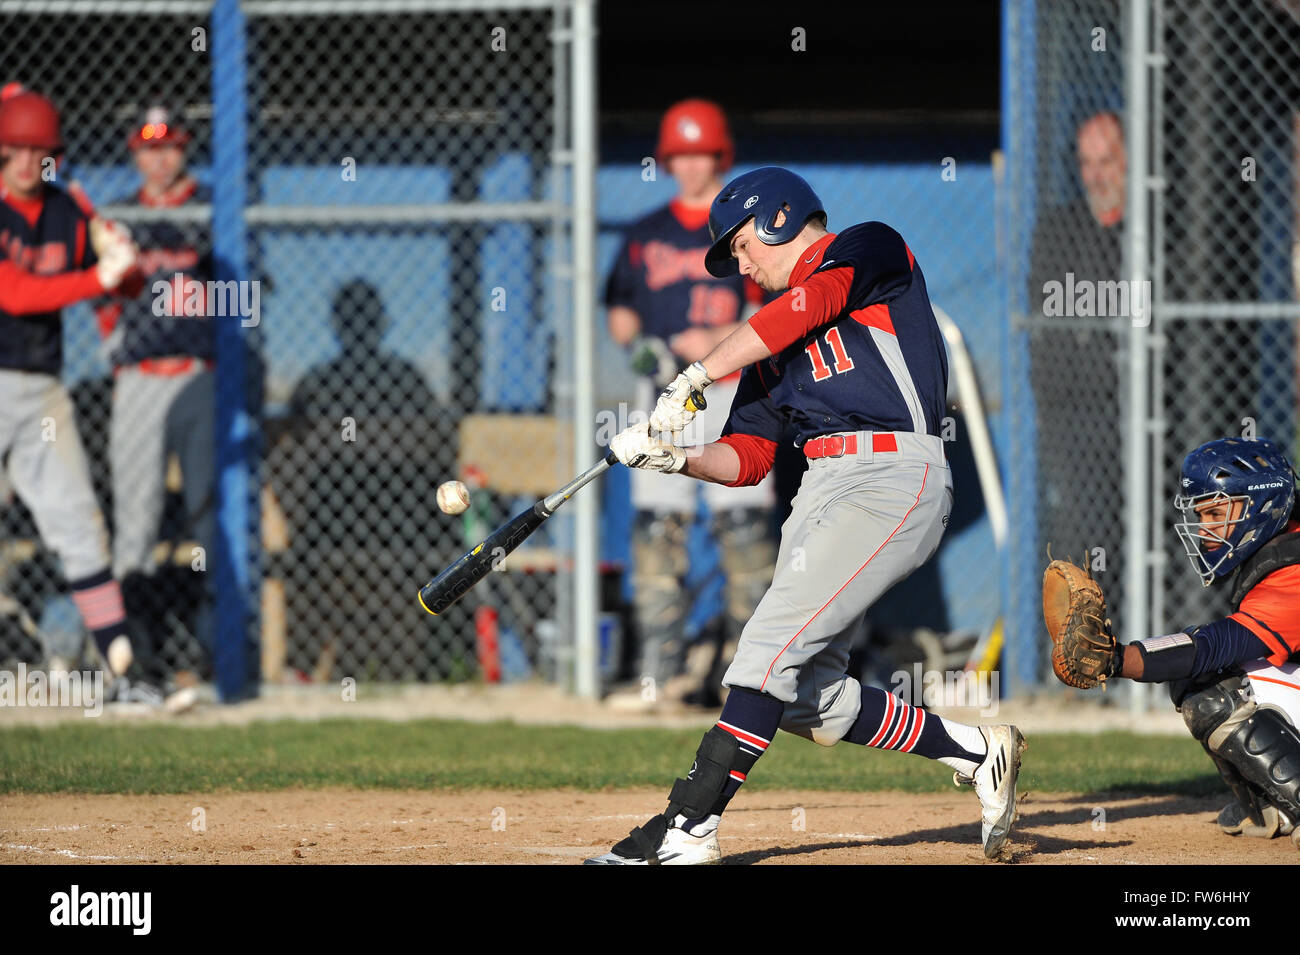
855 343
46 236
168 249
659 273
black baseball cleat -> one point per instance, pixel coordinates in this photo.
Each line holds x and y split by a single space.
658 843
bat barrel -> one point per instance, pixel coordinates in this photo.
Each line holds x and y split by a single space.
453 583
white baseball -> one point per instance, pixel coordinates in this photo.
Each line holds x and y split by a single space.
453 497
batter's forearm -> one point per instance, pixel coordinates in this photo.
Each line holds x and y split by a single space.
741 348
715 462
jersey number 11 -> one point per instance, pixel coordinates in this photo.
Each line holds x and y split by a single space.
843 362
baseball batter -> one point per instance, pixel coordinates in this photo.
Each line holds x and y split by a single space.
52 255
852 358
670 311
1235 680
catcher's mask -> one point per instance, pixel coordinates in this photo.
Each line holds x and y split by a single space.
1250 485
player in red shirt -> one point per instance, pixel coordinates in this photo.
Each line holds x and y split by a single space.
666 307
51 255
1237 680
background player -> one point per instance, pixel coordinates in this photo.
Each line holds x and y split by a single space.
163 389
670 311
51 256
1236 680
853 358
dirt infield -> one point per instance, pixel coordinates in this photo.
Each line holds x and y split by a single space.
339 826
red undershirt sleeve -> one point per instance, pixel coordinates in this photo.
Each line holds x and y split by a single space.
756 457
805 307
22 293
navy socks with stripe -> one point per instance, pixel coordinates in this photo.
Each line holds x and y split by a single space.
753 718
884 722
98 598
887 722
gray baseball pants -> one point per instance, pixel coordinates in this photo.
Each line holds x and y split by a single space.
860 524
48 469
154 416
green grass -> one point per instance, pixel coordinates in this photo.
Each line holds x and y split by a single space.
435 754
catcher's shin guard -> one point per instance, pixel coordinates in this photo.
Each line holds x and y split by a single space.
1256 749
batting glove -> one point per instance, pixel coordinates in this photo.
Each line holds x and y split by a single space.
116 252
672 414
637 449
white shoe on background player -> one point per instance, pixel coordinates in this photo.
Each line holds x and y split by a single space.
995 784
671 846
138 695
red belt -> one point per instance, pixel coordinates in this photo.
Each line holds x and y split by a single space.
171 366
838 445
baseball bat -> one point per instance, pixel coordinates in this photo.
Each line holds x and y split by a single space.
454 582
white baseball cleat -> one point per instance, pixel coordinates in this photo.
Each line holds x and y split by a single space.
995 784
656 843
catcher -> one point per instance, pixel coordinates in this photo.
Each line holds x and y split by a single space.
1236 681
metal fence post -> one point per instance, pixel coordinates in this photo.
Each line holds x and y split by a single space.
1137 445
586 607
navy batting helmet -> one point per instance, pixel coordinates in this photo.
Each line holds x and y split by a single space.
759 195
1236 494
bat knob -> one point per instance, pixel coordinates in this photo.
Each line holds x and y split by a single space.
696 402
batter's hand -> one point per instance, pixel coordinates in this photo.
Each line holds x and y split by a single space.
674 410
637 449
116 252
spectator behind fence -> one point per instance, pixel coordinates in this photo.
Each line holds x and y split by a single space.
1074 360
355 475
162 353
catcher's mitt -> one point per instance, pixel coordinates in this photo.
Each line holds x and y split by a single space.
1084 651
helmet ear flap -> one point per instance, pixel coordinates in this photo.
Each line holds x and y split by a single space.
778 218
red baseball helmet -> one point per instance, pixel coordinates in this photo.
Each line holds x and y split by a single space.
158 126
695 126
30 119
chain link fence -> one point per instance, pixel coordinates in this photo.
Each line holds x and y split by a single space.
1225 101
1203 291
1064 206
404 318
